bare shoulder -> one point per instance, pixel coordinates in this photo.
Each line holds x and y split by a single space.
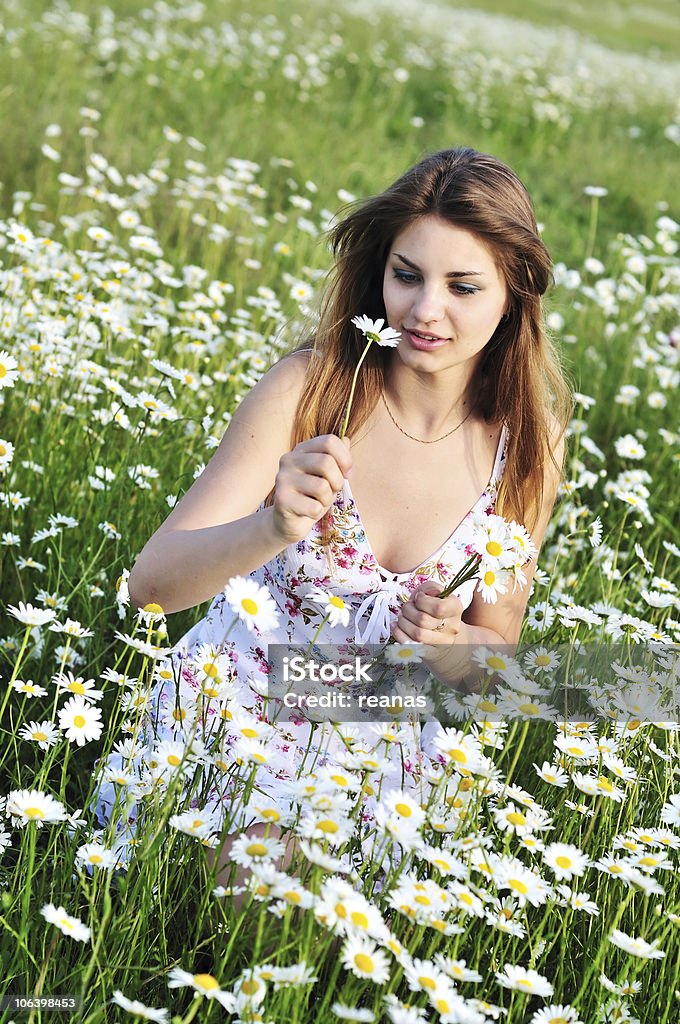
282 382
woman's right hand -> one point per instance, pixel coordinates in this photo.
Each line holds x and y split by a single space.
307 481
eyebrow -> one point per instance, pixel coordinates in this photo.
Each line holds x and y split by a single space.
452 273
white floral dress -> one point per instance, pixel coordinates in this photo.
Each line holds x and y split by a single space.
238 679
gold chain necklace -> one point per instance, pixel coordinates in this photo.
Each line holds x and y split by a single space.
419 439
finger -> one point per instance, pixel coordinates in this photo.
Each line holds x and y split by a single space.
294 504
324 465
412 614
335 446
414 633
314 487
440 607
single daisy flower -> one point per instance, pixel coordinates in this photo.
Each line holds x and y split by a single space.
203 984
636 946
45 734
525 980
336 610
81 721
70 926
252 603
29 615
34 805
565 860
138 1009
363 958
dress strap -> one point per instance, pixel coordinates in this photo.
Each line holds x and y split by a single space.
497 471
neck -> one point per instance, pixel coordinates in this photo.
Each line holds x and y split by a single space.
427 404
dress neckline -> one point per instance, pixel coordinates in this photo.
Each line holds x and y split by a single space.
495 473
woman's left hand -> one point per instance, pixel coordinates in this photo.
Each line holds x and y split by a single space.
428 619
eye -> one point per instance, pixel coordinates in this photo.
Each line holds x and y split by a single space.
404 275
464 289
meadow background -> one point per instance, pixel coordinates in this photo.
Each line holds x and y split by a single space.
167 173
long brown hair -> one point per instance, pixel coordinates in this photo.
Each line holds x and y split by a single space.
519 380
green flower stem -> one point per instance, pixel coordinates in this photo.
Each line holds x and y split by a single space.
371 339
468 572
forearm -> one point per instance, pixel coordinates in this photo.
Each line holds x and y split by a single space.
179 569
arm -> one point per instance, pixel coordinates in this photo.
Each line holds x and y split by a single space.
217 530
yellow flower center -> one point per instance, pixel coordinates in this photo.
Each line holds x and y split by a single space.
518 885
364 963
256 850
457 755
249 606
489 577
423 900
206 981
34 812
270 814
426 981
563 862
79 721
542 660
210 669
292 896
76 686
95 858
250 987
340 780
340 911
359 919
649 862
403 809
327 826
249 733
179 714
515 818
529 709
494 548
153 608
39 736
337 602
495 661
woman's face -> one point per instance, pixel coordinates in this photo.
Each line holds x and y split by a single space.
444 294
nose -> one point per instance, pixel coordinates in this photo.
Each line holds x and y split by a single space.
428 304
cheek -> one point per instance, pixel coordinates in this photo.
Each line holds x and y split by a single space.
390 296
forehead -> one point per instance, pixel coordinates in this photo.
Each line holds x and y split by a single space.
438 241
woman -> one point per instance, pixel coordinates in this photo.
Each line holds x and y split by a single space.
466 414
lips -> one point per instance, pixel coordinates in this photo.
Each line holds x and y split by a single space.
424 341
